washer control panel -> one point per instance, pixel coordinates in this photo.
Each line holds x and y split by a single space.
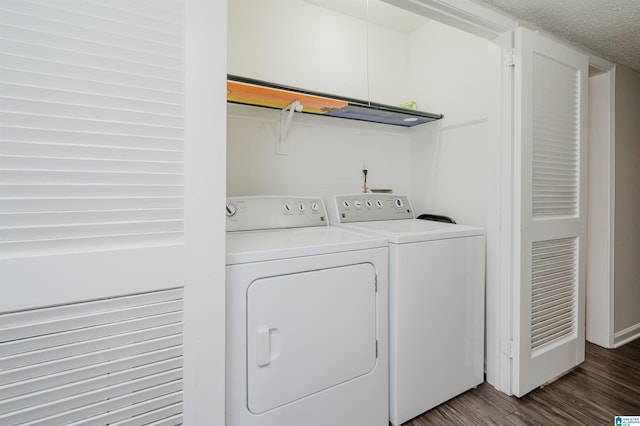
370 207
274 212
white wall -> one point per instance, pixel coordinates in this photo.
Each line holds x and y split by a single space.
299 44
456 162
449 70
627 204
326 155
448 73
388 66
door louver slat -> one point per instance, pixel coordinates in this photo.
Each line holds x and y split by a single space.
97 362
555 148
92 126
553 291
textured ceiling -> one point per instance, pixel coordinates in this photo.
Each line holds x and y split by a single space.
609 28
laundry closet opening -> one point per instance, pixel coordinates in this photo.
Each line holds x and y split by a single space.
370 51
462 166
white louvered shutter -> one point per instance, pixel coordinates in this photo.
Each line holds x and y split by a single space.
95 269
97 362
550 131
92 100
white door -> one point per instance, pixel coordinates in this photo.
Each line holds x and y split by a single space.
309 331
111 266
550 125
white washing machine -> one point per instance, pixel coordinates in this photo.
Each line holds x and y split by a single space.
436 301
307 317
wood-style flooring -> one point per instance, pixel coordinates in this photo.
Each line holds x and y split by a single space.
607 384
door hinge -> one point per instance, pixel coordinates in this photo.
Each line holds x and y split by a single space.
507 348
508 58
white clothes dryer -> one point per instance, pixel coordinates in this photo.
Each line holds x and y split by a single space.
307 317
436 301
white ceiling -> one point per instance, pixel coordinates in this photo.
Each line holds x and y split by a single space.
609 28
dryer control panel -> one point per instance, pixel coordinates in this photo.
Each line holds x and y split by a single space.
274 212
370 207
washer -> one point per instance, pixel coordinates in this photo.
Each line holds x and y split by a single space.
436 301
307 317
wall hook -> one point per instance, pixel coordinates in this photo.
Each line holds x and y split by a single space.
282 148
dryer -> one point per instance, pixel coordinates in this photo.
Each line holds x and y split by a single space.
307 317
436 300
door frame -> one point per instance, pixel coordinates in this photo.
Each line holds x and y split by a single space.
600 221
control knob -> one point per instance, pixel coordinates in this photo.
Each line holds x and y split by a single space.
231 209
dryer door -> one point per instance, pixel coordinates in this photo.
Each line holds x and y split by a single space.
309 331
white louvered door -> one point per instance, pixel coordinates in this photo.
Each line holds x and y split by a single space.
110 252
550 206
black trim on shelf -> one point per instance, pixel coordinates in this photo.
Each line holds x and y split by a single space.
356 109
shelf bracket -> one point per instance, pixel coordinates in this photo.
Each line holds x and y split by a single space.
282 148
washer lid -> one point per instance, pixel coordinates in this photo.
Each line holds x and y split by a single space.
257 246
415 230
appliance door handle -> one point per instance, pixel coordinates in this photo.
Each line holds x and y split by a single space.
263 346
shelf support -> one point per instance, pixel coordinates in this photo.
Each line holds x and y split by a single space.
282 148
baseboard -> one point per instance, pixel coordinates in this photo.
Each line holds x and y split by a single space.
625 336
606 345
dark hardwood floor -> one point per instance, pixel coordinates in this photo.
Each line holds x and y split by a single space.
605 385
